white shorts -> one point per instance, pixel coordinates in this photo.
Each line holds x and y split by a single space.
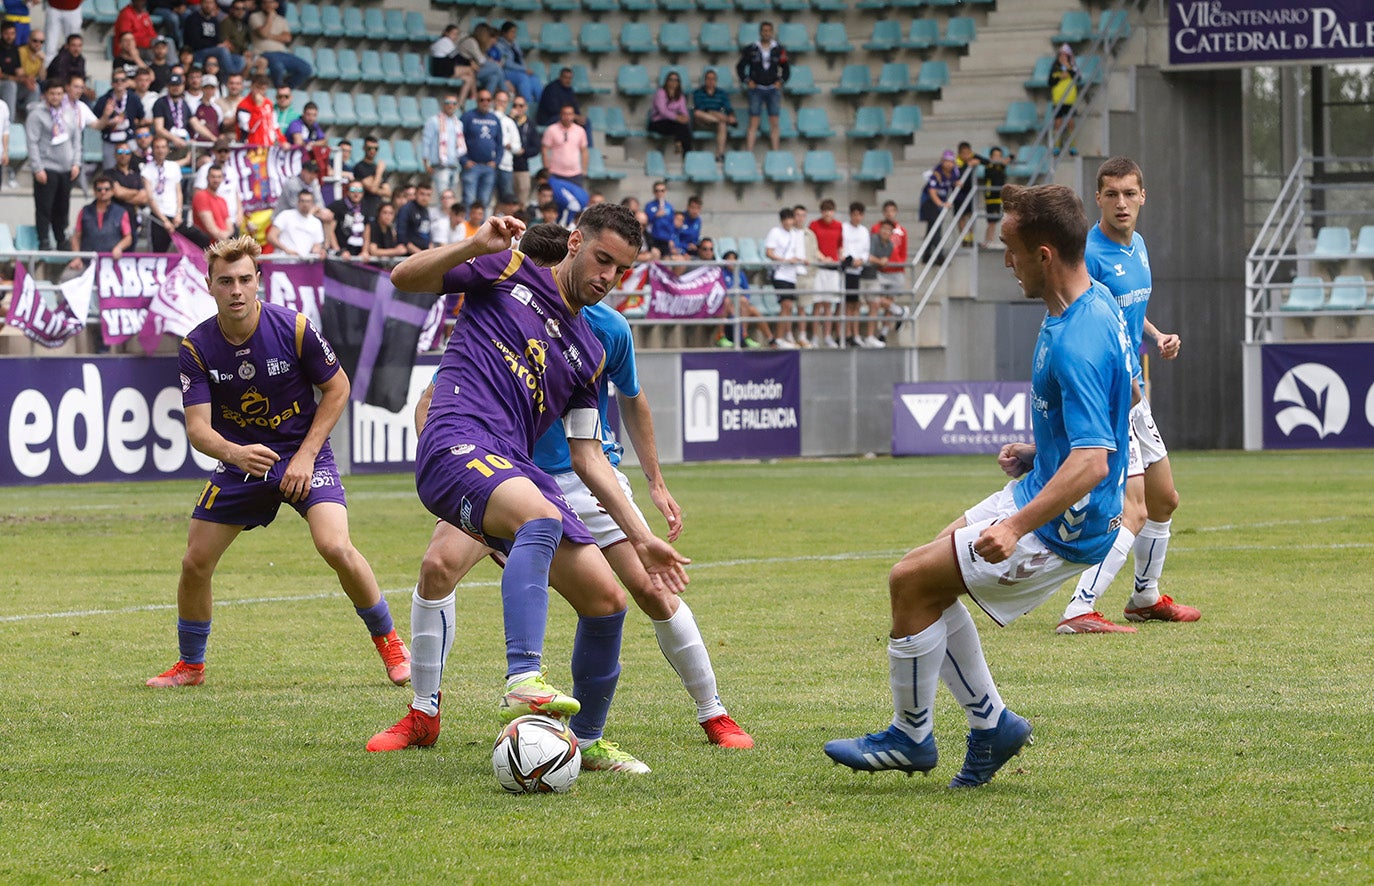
828 285
1143 431
1008 590
603 528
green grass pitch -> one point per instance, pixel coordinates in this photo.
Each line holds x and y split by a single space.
1239 749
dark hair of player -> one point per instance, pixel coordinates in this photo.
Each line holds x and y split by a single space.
545 244
1119 167
1049 215
611 217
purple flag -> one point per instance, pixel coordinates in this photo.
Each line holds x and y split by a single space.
125 288
183 300
30 314
295 285
697 293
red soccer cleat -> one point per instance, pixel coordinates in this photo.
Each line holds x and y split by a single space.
724 731
1092 623
415 730
1164 610
395 656
179 674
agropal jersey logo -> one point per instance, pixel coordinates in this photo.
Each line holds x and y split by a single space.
1317 399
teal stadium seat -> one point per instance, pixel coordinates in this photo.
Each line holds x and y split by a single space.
413 69
354 26
636 39
1364 244
747 32
326 64
960 31
304 53
873 5
388 111
524 7
597 6
103 12
828 6
934 77
429 106
634 7
675 38
324 100
1113 24
1030 162
750 252
875 167
894 78
583 84
1091 70
754 6
699 167
1022 117
26 238
370 66
409 108
92 149
923 34
349 69
292 14
939 3
814 123
596 119
365 105
820 167
869 122
887 36
657 168
796 38
780 167
1332 242
1075 26
615 120
376 27
802 82
555 39
407 158
832 38
331 22
633 80
311 24
597 170
786 128
726 244
562 5
741 168
854 80
386 155
716 38
595 38
19 144
906 119
673 7
416 32
6 240
1040 74
344 113
393 72
1348 293
716 5
1306 294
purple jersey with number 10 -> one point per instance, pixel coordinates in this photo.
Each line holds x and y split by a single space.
520 356
261 391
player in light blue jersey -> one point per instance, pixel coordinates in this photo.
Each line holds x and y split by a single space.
1116 257
1012 551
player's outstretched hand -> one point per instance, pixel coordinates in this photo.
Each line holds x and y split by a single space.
498 232
256 460
295 481
1016 459
668 507
1168 345
663 563
996 543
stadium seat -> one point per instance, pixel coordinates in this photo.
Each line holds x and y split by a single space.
716 5
1022 117
1332 242
725 77
92 149
780 167
750 252
1040 74
354 26
637 6
1348 293
6 240
595 38
324 101
873 4
747 33
597 169
855 80
820 167
376 26
894 78
611 6
365 106
1031 161
796 38
344 114
906 119
416 32
802 81
409 108
741 168
1076 26
786 128
934 77
393 71
561 5
413 69
596 120
887 36
385 154
960 31
673 7
521 6
633 80
583 84
828 6
636 38
429 106
615 119
1113 24
699 167
869 122
407 158
331 22
655 167
1364 244
814 123
938 3
716 38
370 66
683 73
326 64
754 6
349 68
675 38
833 39
1306 294
555 39
726 244
26 238
923 34
311 24
388 111
876 166
1091 70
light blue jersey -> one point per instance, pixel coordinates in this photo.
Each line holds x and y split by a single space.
1081 399
1125 271
611 328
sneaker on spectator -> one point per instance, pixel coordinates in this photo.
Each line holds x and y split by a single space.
872 341
830 342
803 342
752 343
783 344
724 342
855 342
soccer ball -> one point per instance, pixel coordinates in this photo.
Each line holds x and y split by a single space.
536 754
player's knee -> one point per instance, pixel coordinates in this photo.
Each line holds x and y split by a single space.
1163 506
196 566
339 553
604 600
651 599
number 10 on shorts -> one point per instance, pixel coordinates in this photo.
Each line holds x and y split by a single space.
485 464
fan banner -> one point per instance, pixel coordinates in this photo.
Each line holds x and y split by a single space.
30 314
959 417
697 293
1318 396
1234 33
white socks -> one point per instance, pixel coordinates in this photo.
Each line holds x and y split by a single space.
431 638
680 639
1150 547
1097 579
965 670
914 674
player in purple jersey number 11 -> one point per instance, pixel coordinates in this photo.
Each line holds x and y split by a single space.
248 377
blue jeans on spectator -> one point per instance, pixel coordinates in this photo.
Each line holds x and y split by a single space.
761 96
228 61
479 180
287 69
505 186
490 76
443 178
526 84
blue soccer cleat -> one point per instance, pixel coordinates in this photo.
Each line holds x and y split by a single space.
879 751
990 749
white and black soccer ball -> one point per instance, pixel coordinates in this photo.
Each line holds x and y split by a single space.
536 754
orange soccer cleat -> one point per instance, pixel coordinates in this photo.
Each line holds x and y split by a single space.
395 656
179 674
415 730
724 731
1092 623
1164 610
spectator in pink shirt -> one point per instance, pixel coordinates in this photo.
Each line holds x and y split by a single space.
565 147
669 115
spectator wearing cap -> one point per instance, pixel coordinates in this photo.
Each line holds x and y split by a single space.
172 114
162 63
938 193
308 179
207 118
117 112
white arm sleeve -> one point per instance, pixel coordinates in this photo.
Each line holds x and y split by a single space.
582 424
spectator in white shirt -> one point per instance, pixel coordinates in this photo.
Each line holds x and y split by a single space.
784 246
854 250
163 180
298 231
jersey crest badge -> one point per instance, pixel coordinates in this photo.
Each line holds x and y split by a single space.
247 371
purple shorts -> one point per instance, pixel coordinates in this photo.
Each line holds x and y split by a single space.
230 496
457 470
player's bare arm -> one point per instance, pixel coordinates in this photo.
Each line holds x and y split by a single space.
255 459
424 271
639 427
422 407
1168 343
1076 477
295 481
661 560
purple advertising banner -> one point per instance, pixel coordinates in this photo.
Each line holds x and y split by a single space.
699 292
1248 32
1318 396
741 405
72 419
959 417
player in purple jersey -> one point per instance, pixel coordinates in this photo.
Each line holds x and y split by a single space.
1011 552
520 359
248 380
